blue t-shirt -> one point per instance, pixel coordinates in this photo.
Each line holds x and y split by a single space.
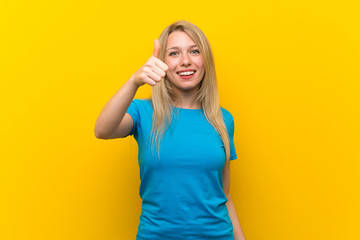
182 191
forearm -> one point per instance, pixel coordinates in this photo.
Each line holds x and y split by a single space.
114 110
238 233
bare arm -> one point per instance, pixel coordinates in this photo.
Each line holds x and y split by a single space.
113 121
238 233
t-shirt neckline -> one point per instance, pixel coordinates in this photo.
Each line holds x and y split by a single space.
186 109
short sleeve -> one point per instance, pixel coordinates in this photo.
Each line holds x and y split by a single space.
229 122
133 111
233 155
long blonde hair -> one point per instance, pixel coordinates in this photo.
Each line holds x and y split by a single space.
208 97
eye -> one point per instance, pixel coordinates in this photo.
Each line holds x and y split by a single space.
172 53
195 51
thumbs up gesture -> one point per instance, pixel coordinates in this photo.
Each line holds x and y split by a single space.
152 71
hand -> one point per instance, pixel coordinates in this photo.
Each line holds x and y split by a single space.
153 70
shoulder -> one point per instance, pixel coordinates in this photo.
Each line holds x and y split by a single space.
228 117
142 103
139 107
229 121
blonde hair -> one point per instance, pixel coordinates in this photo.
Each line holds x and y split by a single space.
208 97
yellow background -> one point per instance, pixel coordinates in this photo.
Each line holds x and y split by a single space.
288 71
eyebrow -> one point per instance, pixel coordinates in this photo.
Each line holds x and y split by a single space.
192 46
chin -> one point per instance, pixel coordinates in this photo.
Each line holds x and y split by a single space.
188 87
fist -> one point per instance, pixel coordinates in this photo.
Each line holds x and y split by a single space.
153 70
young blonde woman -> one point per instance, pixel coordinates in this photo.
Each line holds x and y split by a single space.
185 140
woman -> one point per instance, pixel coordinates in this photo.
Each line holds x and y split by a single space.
185 140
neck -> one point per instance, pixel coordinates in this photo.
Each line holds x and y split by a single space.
187 99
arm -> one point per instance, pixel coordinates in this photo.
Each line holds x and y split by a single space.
113 121
238 233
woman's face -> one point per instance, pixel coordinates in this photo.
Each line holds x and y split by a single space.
185 62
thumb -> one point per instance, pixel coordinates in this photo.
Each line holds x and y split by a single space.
156 52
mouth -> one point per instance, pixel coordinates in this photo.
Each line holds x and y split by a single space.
186 74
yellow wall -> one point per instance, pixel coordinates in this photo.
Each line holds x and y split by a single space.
288 72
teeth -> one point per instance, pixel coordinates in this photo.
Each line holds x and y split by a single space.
186 73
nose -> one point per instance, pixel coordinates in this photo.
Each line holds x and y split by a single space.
185 60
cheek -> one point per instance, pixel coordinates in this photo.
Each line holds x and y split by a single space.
200 64
170 63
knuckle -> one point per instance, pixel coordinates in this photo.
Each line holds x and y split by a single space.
151 83
143 76
146 68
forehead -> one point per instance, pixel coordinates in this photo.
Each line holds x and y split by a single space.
179 39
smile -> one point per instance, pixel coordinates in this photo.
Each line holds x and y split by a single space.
186 73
